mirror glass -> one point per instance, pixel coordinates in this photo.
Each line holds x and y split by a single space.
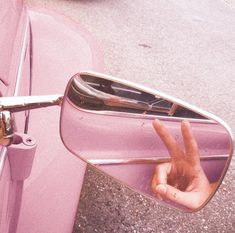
155 144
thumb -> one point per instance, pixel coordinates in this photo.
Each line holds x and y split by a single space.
168 192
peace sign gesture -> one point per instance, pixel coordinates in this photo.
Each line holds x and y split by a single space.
182 180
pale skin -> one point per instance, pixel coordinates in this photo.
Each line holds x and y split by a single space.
182 180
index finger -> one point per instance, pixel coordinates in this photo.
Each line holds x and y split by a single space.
190 143
169 141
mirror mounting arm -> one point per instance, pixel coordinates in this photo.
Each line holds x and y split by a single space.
9 105
23 103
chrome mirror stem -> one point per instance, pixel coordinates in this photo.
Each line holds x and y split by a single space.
22 103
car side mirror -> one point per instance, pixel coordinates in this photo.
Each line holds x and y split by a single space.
155 144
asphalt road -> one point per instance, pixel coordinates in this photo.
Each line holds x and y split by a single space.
185 49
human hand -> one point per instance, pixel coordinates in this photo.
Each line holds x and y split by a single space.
182 180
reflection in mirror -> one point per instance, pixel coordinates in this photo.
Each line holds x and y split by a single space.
149 141
92 93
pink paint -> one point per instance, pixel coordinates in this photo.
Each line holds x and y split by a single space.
21 156
10 18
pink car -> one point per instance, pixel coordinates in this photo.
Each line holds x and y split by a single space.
105 121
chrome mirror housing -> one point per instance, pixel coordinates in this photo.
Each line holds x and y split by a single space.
155 144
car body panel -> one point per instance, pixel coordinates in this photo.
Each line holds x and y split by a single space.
49 49
14 80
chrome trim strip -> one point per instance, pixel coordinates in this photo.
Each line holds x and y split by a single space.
148 160
27 112
22 56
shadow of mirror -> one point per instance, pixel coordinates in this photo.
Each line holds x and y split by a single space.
153 143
